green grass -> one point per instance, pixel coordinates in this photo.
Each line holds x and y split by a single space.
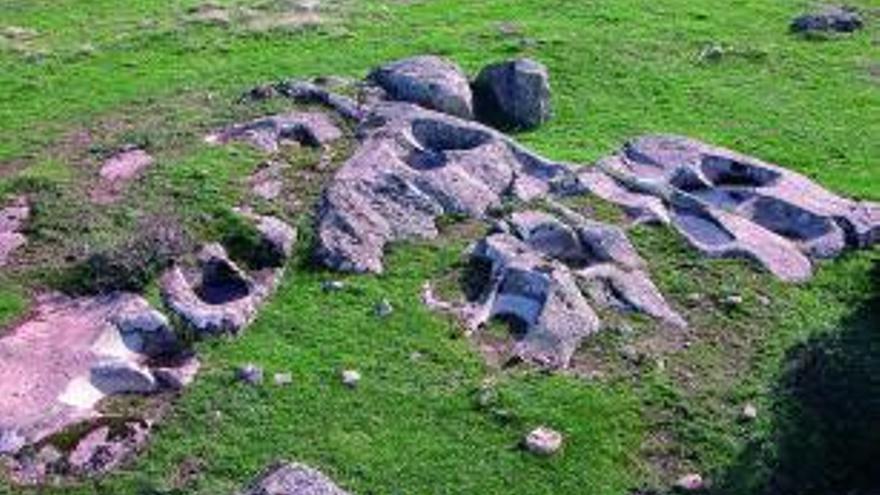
136 72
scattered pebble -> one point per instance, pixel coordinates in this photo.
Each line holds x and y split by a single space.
384 309
282 379
250 374
690 483
332 285
749 412
350 378
543 441
733 300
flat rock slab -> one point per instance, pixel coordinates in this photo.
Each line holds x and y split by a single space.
269 133
118 171
58 364
293 479
12 220
731 205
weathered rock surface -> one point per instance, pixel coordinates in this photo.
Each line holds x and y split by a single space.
118 171
513 94
12 220
544 274
432 82
269 133
68 355
730 205
292 479
829 18
413 166
221 297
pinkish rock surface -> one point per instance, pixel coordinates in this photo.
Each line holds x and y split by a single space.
54 365
118 171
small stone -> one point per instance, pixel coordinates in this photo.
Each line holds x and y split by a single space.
733 300
690 483
384 308
543 441
250 374
282 379
694 297
350 378
749 412
631 354
332 285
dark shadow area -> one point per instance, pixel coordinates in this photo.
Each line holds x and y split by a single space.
825 436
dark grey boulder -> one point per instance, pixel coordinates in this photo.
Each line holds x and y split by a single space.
513 95
292 479
833 18
429 81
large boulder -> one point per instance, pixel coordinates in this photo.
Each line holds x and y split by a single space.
432 82
730 205
292 479
514 94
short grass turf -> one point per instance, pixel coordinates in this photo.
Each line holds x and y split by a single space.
138 72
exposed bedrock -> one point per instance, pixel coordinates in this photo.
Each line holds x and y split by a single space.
544 275
730 205
218 296
58 364
414 165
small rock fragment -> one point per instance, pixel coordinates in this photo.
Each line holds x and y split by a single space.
690 483
250 374
351 378
543 441
749 412
384 308
332 285
835 18
10 441
282 379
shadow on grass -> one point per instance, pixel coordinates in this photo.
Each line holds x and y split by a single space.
824 435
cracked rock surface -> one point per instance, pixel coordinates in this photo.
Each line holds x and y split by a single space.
413 166
269 133
546 273
731 205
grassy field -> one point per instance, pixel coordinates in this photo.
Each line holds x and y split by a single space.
82 77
